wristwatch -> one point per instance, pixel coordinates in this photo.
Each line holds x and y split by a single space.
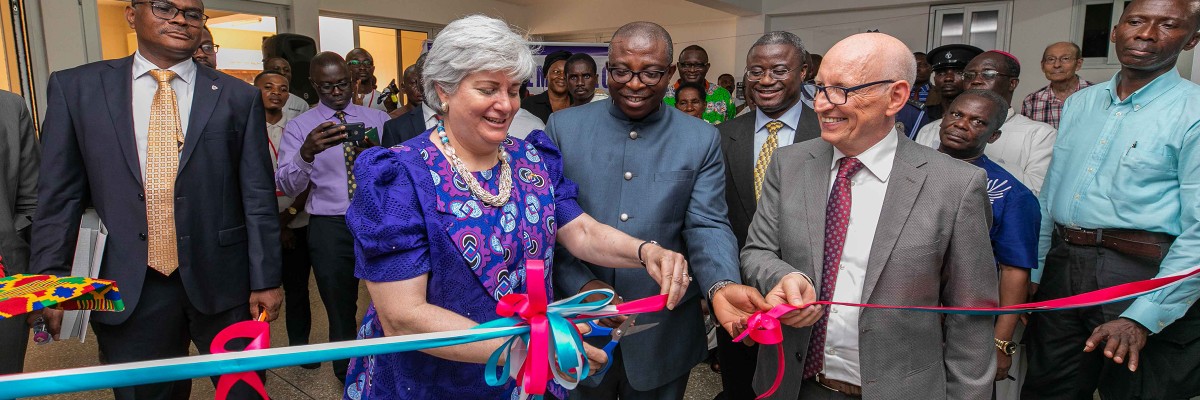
292 211
1009 348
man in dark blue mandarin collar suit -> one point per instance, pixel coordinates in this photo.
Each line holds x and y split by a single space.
174 159
653 172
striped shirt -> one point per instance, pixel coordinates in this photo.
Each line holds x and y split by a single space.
1044 106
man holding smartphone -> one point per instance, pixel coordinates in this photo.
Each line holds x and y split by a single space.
318 151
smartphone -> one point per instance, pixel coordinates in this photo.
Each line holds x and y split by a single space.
355 132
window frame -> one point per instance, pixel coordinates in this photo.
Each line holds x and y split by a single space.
1079 14
1003 22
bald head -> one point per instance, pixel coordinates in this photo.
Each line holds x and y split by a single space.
875 55
642 31
325 59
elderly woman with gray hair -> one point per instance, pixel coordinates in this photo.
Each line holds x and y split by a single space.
444 222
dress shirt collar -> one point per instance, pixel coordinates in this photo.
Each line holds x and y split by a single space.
1012 113
326 113
427 113
1140 98
185 70
878 159
791 117
654 116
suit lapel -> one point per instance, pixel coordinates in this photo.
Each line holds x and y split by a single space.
204 100
741 162
118 89
816 198
418 119
808 127
903 187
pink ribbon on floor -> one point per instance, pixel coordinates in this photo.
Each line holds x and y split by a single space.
259 333
765 328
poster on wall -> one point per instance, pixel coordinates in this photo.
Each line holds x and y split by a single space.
598 51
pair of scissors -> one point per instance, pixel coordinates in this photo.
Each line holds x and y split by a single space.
626 328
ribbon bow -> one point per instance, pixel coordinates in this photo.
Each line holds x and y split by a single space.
765 328
552 334
259 333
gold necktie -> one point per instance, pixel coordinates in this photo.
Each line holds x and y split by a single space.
764 156
164 141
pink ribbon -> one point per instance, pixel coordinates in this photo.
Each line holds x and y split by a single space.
534 373
765 328
259 333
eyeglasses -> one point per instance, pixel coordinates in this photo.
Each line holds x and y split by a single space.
355 63
692 66
756 74
210 48
328 88
648 77
1063 59
838 95
987 74
168 11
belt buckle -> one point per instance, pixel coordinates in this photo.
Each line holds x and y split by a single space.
821 377
1099 236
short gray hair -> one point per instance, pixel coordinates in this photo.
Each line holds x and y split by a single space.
784 37
645 29
474 43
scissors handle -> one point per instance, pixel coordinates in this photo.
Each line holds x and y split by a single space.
608 349
598 330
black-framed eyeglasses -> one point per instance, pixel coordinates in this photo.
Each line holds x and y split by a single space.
692 66
756 74
168 11
838 95
355 63
987 74
648 77
328 87
210 48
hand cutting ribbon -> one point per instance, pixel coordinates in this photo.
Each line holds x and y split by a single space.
765 328
548 328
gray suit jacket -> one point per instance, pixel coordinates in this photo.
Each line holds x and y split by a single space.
737 143
675 195
931 248
19 157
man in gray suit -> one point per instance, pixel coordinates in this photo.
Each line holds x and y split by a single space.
18 190
654 172
775 69
866 216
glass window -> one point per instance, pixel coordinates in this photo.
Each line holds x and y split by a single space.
1094 21
983 25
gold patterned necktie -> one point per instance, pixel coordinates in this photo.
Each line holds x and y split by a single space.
764 156
348 151
163 144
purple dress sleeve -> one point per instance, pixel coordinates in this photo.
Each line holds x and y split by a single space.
565 190
386 218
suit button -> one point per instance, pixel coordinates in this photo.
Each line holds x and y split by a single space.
799 357
142 196
628 175
633 135
142 236
624 217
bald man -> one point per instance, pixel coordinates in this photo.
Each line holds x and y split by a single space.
903 224
1061 63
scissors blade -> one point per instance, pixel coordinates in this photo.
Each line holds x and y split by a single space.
639 328
620 330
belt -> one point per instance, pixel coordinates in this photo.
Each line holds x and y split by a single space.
846 388
1152 245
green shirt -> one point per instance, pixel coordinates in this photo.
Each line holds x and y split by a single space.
720 106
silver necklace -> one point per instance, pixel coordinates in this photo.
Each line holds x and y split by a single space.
495 200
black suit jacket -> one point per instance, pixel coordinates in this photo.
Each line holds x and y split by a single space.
406 126
737 144
225 209
539 105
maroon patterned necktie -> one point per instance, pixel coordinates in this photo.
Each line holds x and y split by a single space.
837 216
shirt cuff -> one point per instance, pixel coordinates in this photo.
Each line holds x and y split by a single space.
304 166
810 281
1151 315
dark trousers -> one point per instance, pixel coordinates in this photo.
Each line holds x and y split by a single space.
297 267
161 326
738 362
1169 366
14 336
615 385
332 250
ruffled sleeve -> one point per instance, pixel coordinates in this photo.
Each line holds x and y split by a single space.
387 218
565 190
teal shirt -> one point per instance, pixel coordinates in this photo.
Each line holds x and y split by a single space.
1132 164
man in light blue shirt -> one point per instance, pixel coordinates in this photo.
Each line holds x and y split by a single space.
1120 204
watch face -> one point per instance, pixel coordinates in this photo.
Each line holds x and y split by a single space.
1010 348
